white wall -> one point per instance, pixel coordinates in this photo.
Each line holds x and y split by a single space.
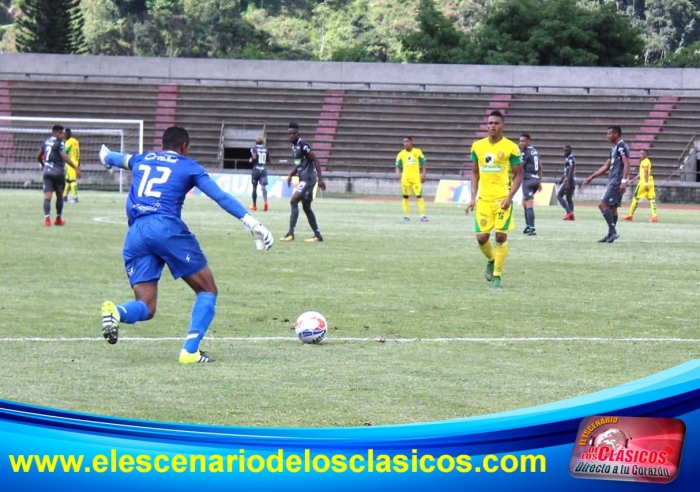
581 80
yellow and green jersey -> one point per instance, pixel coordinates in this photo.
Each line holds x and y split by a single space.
495 162
410 161
643 167
73 150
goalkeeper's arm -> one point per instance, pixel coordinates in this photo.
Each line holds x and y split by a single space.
115 159
225 201
261 235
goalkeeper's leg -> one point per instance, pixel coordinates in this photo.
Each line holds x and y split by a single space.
203 311
142 309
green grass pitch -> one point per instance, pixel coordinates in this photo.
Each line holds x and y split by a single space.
416 334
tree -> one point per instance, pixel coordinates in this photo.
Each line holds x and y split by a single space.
688 57
6 14
670 24
108 27
557 32
437 40
50 26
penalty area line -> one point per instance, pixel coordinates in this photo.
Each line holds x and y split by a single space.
376 339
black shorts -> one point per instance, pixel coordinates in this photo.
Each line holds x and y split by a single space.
54 183
612 196
530 187
259 177
306 190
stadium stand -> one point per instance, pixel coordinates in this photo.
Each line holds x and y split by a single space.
203 109
362 130
87 100
373 123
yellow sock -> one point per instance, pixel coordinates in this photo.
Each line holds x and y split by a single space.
74 188
404 204
487 249
653 207
500 256
66 189
421 206
633 206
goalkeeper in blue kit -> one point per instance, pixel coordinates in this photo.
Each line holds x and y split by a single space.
157 236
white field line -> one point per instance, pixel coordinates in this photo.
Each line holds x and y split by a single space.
352 339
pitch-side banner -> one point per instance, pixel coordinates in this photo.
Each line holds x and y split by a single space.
240 185
459 191
645 433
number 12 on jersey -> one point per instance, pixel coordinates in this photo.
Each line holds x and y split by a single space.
147 182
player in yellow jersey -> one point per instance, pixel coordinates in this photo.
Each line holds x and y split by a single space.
645 188
73 151
410 168
496 176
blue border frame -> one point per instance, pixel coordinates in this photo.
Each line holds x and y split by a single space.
549 430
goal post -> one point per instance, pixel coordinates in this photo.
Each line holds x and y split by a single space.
21 138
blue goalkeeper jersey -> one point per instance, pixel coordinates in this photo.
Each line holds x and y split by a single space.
161 181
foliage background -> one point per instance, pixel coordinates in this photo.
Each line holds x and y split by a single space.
536 32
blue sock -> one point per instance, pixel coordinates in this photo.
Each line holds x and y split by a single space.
202 315
133 311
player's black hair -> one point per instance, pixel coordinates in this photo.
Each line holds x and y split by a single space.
616 129
68 133
409 138
175 136
294 126
57 128
497 114
567 147
526 135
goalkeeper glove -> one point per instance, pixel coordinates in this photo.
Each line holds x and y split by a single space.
111 160
103 155
261 235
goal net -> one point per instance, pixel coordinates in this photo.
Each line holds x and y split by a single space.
21 139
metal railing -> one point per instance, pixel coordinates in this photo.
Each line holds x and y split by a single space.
683 158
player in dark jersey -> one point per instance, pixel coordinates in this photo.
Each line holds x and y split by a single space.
532 180
567 184
309 172
157 236
619 165
53 159
259 157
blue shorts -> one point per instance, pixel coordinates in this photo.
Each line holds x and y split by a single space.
157 240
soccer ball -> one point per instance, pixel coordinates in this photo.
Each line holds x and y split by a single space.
311 327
